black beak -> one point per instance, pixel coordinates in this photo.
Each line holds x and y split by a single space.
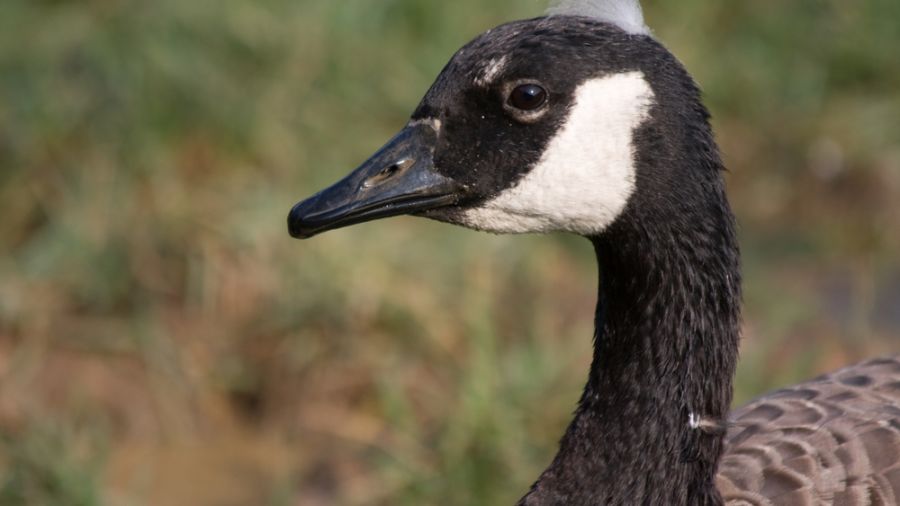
398 179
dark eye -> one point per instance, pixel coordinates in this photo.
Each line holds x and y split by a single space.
527 97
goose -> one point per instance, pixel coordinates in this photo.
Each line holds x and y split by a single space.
581 122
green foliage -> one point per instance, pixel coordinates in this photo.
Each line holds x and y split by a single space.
49 465
150 151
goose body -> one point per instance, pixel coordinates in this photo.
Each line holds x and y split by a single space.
833 440
582 122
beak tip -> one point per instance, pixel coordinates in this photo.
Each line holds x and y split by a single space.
297 226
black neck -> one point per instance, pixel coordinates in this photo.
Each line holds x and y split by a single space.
664 355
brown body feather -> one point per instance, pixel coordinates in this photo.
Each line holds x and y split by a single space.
832 440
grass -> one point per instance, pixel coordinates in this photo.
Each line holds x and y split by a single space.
51 464
189 352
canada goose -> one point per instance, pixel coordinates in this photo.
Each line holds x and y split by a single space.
581 122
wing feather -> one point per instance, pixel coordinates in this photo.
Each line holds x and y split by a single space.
832 440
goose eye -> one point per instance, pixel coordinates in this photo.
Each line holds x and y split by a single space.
527 97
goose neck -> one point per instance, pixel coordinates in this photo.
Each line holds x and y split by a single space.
650 424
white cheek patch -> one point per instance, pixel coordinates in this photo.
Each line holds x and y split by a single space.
586 174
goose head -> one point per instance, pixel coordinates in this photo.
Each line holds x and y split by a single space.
534 126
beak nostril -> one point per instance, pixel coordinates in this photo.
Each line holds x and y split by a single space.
389 172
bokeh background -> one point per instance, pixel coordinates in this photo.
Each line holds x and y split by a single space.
164 342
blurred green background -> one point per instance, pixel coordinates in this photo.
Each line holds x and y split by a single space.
164 342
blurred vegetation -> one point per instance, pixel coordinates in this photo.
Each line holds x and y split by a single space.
163 341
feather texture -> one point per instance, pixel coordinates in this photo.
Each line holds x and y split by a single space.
832 440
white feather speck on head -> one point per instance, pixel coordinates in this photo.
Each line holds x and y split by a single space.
490 71
626 14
